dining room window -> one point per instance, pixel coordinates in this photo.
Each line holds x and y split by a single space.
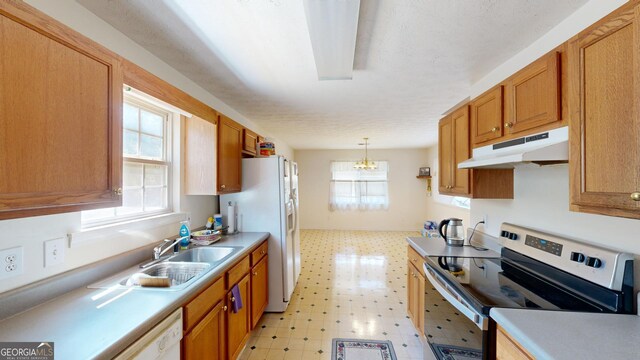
358 189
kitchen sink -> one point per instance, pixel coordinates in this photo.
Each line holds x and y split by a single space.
212 255
179 273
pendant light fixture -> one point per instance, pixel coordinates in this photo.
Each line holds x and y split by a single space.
365 164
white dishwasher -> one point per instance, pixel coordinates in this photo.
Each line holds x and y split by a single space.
161 342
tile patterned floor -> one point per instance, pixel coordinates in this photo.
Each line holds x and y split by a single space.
352 285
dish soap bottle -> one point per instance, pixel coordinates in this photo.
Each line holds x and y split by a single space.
185 234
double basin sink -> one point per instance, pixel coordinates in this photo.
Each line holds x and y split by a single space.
181 269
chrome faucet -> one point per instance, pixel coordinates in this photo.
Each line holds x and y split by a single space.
158 251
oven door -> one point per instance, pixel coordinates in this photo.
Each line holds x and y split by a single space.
451 324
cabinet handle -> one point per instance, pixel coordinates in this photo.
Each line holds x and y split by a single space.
495 129
223 187
225 308
118 191
508 125
255 273
635 196
262 252
414 260
233 299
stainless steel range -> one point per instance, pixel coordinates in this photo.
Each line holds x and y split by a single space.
534 271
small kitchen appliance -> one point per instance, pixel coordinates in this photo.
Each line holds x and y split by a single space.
453 232
534 270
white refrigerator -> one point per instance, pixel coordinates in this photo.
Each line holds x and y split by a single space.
268 202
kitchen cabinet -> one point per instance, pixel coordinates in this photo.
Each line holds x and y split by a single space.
454 142
509 349
415 297
249 143
259 283
604 65
487 116
200 156
453 148
229 165
60 117
207 339
238 323
533 95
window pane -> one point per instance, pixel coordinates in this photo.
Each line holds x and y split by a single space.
98 214
130 117
155 175
151 123
155 198
131 202
151 146
130 143
132 175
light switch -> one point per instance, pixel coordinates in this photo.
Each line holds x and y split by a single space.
54 251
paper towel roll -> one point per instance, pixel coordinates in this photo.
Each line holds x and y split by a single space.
231 218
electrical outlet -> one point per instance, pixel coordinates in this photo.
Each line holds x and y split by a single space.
54 251
485 218
12 265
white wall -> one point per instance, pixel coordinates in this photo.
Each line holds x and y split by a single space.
30 233
409 205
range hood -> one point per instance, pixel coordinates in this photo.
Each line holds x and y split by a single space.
548 147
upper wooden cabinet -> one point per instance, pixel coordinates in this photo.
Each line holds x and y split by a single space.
454 145
487 116
533 95
249 143
60 117
604 64
200 156
453 148
229 156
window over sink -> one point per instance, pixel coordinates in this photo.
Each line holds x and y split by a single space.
146 142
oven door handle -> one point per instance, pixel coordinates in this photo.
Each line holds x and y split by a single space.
453 298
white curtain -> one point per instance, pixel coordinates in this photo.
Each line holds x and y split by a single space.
353 189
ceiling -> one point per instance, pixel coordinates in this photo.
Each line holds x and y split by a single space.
414 60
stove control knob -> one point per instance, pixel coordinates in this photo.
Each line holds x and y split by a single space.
513 236
593 262
504 234
577 257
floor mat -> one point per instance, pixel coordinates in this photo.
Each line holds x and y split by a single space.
359 349
450 352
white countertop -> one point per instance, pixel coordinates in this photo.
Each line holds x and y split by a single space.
571 335
437 247
97 323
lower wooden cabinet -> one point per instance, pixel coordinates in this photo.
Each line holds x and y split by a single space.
259 290
509 349
415 297
238 323
207 339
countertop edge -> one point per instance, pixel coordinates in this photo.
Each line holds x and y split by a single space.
518 334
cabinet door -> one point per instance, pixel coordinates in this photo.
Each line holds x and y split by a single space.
207 339
238 324
419 309
445 155
461 150
604 104
509 349
199 156
259 290
229 155
415 297
411 301
60 118
249 142
533 95
487 116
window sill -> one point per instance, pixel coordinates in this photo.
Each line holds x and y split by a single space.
99 233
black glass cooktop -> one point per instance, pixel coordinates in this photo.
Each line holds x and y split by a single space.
520 282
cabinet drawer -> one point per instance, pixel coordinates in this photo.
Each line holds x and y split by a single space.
414 258
201 304
238 272
259 253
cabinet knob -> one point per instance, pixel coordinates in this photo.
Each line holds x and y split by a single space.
117 191
495 129
635 196
223 186
225 308
414 260
508 125
262 252
233 299
255 273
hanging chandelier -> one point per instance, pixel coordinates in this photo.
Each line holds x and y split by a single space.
365 164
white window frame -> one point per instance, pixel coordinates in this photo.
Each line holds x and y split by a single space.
170 116
335 205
